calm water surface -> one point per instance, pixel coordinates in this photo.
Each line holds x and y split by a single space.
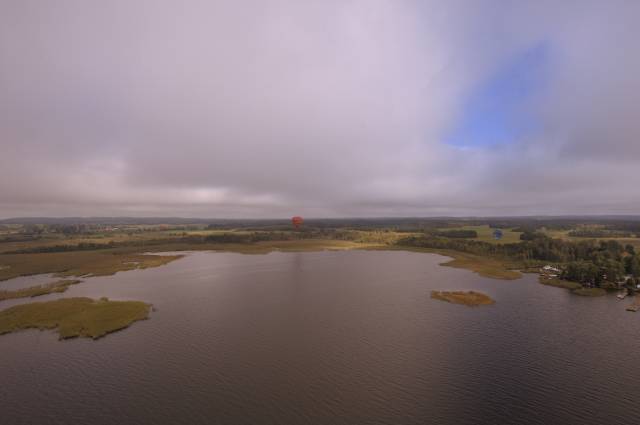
329 338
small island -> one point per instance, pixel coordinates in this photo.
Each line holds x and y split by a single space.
470 298
74 317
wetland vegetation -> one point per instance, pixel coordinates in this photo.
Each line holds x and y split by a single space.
38 290
74 317
589 292
469 298
559 283
79 263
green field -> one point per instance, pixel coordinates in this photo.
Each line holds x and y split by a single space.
485 234
564 235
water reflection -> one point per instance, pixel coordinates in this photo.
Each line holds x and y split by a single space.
329 337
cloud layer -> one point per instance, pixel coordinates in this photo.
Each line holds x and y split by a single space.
332 108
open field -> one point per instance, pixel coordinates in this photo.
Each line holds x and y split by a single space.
74 317
485 234
564 235
470 298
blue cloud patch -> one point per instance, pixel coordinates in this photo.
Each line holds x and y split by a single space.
493 114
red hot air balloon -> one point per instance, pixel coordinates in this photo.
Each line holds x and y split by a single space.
296 221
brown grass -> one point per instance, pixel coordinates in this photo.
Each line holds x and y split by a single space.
78 263
470 298
484 266
74 317
36 291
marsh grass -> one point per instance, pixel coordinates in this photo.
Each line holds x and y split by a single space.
36 291
589 292
574 287
79 263
559 283
74 317
484 266
470 298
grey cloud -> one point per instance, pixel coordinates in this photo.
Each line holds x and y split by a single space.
260 109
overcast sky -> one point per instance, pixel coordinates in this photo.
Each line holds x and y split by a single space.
319 108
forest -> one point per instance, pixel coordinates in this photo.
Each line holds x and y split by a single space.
589 262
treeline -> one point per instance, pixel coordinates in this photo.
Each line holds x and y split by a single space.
66 229
82 246
19 238
589 262
600 233
603 273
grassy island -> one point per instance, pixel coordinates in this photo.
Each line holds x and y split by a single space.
470 298
74 317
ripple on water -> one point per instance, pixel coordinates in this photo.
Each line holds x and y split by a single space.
330 337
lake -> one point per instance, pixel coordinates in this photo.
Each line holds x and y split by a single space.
348 337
